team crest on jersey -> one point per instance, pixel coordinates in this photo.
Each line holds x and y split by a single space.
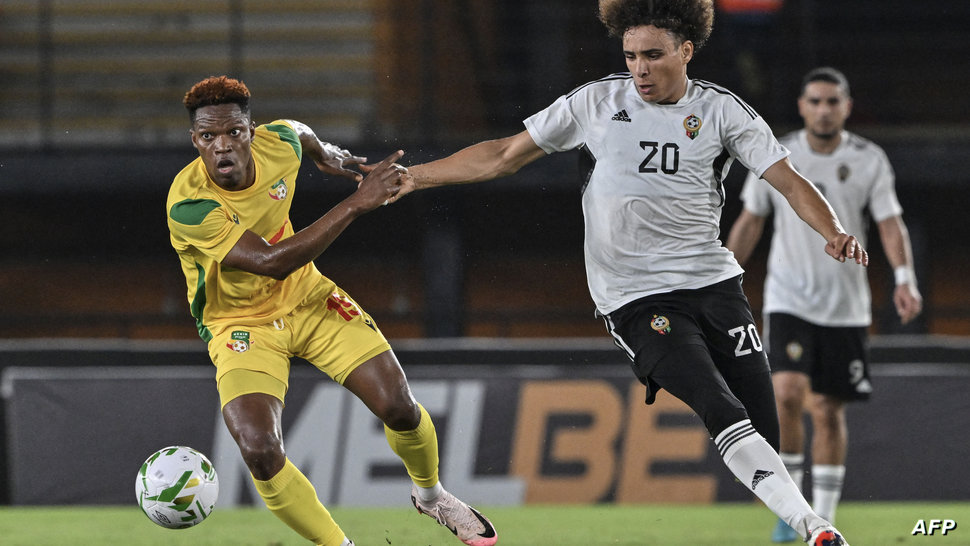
239 341
794 351
692 124
660 324
844 172
279 190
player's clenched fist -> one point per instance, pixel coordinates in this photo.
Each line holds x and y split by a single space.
844 246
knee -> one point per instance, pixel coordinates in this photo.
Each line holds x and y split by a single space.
790 392
827 413
262 451
400 416
788 402
719 411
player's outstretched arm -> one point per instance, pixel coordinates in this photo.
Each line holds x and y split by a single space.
330 159
254 254
477 163
814 210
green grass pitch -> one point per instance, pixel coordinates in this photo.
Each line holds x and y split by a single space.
864 524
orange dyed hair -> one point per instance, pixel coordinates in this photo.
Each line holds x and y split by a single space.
216 90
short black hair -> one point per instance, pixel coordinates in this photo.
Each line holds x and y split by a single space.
689 19
829 75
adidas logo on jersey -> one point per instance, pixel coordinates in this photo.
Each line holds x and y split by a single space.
621 116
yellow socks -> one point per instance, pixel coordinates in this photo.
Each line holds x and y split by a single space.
418 449
292 498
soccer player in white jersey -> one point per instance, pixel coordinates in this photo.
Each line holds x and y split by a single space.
657 145
816 312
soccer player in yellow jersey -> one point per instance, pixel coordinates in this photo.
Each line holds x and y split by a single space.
258 299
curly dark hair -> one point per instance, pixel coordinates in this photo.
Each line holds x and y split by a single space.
689 19
216 90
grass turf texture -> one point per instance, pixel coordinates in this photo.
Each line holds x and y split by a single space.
882 524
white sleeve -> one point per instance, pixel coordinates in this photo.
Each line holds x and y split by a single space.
755 146
557 129
756 195
883 202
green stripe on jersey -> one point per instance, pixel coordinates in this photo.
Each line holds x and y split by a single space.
191 212
198 304
288 135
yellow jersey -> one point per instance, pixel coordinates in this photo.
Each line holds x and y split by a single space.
206 221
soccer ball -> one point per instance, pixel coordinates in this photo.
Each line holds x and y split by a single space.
177 487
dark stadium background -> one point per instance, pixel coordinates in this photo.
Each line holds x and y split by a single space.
92 132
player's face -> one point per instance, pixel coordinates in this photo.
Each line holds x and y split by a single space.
658 62
223 134
824 106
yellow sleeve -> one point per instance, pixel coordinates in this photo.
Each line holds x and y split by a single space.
205 225
282 129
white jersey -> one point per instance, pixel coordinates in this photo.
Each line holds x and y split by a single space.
653 195
858 181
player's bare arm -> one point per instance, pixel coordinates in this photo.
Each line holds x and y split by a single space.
330 159
254 254
812 208
744 235
477 163
895 241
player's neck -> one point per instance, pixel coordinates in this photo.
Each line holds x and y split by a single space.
823 144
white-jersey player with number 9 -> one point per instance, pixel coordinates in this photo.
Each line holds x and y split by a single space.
816 312
656 146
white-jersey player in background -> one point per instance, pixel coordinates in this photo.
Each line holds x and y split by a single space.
657 146
817 313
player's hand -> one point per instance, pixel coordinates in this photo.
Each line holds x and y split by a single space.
407 186
844 246
382 183
909 302
407 181
335 161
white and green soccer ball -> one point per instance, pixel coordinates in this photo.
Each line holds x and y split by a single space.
177 487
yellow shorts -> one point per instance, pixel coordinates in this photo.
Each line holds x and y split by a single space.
328 329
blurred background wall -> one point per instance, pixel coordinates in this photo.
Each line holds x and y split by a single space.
92 131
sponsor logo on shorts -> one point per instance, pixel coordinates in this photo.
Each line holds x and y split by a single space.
660 324
239 341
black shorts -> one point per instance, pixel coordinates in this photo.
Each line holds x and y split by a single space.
717 318
835 358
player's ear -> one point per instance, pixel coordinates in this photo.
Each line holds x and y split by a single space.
687 51
192 138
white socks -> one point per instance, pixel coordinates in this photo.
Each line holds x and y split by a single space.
795 464
760 469
827 480
428 494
